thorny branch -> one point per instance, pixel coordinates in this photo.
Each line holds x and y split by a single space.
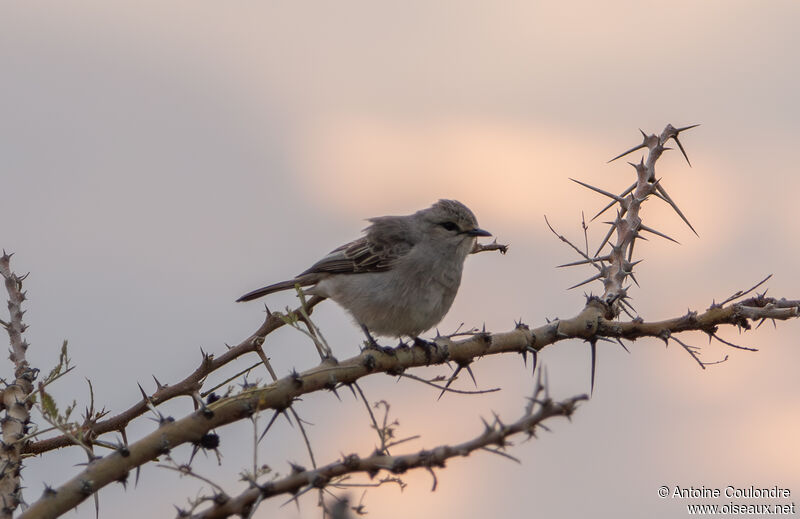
186 387
494 438
628 224
615 266
15 404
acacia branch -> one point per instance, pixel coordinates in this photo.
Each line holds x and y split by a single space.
628 227
628 223
493 438
15 403
186 387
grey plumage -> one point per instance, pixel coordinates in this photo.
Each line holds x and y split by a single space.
402 276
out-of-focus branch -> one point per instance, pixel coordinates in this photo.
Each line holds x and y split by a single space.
589 325
494 438
15 403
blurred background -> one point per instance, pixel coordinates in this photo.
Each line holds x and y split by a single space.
158 160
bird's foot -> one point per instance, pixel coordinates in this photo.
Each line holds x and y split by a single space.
388 350
372 344
429 347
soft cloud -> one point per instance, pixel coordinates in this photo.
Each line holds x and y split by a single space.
517 172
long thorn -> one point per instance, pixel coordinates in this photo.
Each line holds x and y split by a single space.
601 191
611 204
657 233
605 240
472 376
674 136
627 303
584 261
667 198
680 147
271 421
640 146
596 276
449 381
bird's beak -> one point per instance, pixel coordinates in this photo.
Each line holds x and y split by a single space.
477 232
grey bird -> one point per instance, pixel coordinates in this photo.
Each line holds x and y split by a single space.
401 277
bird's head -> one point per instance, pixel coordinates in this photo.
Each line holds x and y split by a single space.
451 222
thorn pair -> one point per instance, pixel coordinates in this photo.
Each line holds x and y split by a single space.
650 141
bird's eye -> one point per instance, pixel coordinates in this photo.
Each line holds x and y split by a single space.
450 226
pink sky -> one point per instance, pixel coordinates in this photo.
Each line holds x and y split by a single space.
159 160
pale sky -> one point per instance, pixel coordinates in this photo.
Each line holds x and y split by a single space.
160 159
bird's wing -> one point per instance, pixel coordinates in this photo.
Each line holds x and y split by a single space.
384 243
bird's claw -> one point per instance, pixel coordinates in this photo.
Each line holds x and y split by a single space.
372 344
429 347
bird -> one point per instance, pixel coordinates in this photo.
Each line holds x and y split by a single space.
400 278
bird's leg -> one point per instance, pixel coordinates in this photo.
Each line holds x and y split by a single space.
372 344
422 343
401 345
429 347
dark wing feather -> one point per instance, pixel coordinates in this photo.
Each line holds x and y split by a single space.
386 240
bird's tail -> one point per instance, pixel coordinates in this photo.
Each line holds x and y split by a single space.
277 287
